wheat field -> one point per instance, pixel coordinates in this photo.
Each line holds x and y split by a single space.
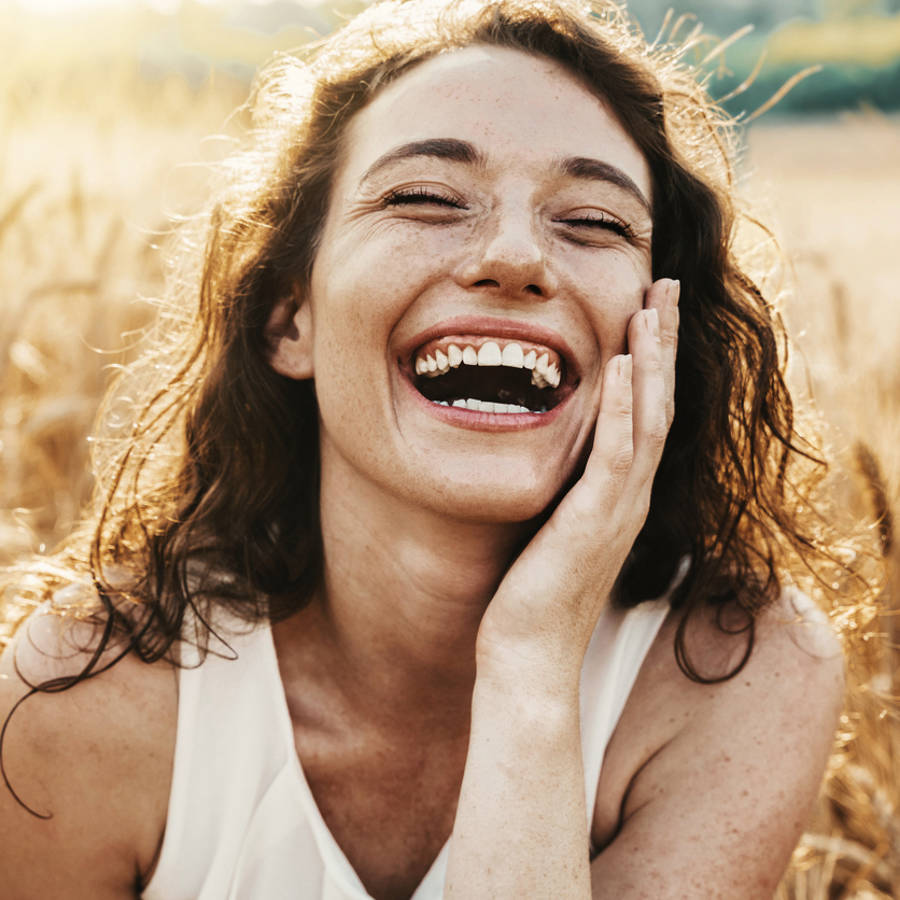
91 177
833 189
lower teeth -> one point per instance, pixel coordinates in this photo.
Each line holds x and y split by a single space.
487 406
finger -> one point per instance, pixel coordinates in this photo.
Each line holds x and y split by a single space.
612 453
663 296
650 389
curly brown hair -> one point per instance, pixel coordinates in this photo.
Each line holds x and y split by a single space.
207 463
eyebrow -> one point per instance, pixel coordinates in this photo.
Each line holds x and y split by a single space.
438 148
582 167
596 170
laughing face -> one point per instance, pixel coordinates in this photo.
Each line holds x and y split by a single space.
487 242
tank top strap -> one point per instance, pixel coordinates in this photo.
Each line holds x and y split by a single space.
615 655
611 666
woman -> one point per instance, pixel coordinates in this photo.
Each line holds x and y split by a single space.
427 569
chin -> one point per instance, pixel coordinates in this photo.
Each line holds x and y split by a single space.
495 497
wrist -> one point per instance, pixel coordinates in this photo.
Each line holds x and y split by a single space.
528 714
520 680
537 665
523 724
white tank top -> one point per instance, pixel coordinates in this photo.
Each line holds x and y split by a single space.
242 822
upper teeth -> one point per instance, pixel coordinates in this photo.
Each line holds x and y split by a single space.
544 373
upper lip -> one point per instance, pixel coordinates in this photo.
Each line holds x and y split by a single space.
509 329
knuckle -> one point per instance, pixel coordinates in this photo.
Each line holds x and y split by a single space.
622 407
658 432
657 428
670 336
640 509
584 515
621 460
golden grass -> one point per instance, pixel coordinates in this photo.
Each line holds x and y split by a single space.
834 187
82 207
85 202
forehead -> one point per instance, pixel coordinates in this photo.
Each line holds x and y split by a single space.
516 106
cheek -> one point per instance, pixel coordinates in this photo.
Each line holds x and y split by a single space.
618 295
360 288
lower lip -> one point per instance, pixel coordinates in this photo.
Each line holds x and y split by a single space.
484 421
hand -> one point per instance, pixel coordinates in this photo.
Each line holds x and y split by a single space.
539 622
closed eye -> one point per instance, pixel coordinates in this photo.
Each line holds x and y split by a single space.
420 197
601 222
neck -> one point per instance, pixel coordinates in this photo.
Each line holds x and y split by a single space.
403 593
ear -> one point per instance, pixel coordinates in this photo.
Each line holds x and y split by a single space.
289 337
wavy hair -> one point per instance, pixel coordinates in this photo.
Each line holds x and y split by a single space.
207 461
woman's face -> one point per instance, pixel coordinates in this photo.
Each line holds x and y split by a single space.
488 240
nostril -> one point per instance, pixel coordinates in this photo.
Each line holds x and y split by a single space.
534 289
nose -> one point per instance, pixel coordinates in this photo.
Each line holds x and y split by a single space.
506 255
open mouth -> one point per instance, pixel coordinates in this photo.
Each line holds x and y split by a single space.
488 374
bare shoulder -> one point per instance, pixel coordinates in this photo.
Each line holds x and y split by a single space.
731 768
795 659
92 764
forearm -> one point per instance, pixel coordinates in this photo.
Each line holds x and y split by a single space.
521 824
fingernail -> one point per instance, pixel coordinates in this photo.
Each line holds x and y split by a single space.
651 320
625 368
674 291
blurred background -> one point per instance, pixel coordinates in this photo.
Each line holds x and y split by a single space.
112 112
